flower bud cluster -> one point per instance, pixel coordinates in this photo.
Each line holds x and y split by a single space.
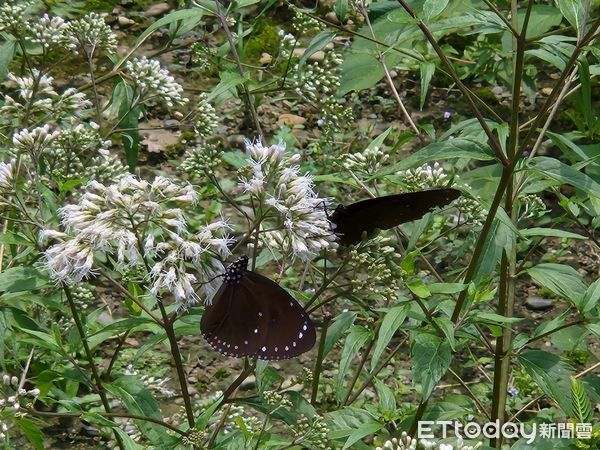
274 398
13 396
157 385
12 13
48 32
304 24
533 207
202 56
369 161
287 42
90 34
153 83
206 117
424 177
314 432
202 160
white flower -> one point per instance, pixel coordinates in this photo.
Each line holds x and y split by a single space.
6 175
33 142
302 229
134 222
48 31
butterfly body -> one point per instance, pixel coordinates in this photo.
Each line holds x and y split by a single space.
354 221
251 315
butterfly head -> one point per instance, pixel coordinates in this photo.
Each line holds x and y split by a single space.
234 274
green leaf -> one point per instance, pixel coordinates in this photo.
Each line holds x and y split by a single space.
432 9
335 331
582 407
427 70
553 169
22 278
202 421
437 151
7 53
494 318
128 443
392 320
355 340
431 357
182 14
448 328
10 238
316 44
32 431
446 288
98 419
550 232
590 298
221 92
561 279
417 287
366 429
551 374
341 10
387 401
573 11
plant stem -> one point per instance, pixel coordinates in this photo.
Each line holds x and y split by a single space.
236 57
319 361
168 327
463 89
88 353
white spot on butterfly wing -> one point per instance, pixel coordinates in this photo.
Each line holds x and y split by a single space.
286 348
264 349
304 327
300 335
256 331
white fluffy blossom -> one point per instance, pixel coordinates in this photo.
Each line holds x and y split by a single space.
35 141
295 221
424 177
153 82
136 223
6 175
408 443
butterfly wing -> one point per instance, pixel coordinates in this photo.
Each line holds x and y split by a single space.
232 324
386 212
289 330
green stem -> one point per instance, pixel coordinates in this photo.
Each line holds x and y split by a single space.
319 361
88 354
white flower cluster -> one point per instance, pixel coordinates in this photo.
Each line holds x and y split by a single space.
301 227
318 82
202 56
91 33
368 161
533 207
303 23
471 211
48 32
46 103
424 177
201 160
154 83
314 431
206 117
12 393
407 443
11 15
287 42
6 176
33 142
80 152
274 398
133 222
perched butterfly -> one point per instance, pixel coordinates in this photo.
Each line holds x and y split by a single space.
251 315
386 212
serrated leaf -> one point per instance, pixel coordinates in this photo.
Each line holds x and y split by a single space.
387 401
582 407
448 328
182 14
550 373
561 279
417 287
431 357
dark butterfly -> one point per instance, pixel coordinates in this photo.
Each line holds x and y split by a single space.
251 315
386 212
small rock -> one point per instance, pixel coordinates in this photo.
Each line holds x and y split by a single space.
317 56
265 58
172 124
293 119
125 21
546 91
538 303
157 10
331 17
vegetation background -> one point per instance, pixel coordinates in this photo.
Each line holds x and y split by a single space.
145 145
